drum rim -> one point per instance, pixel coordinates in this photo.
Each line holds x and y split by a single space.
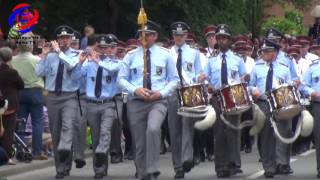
230 85
191 85
280 86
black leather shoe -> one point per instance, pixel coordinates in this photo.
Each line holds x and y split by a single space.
196 160
284 169
66 173
80 163
163 148
100 159
235 171
59 176
128 156
179 175
136 175
210 158
116 159
187 166
98 176
223 174
268 175
248 150
318 175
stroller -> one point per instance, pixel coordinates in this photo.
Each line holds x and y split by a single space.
21 150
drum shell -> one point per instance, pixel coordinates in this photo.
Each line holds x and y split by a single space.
234 99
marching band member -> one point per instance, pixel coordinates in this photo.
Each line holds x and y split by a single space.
209 33
147 105
188 66
265 75
62 98
223 69
311 87
283 151
100 74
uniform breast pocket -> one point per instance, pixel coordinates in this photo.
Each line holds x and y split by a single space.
159 69
188 66
53 70
261 77
215 73
234 72
315 78
91 78
136 71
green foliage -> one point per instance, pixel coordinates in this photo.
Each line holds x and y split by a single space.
120 16
291 23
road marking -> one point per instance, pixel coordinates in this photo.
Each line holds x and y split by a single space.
256 175
261 172
308 152
293 160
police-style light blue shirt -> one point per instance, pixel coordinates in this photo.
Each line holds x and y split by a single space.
191 63
235 67
112 64
164 76
48 68
311 79
286 60
258 77
88 70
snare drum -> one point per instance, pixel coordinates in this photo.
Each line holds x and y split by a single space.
234 99
284 102
193 95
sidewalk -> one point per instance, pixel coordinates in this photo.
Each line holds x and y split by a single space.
21 167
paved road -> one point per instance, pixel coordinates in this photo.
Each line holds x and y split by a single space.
304 168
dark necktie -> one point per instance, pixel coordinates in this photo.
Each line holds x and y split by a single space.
59 78
97 89
179 65
147 78
224 70
269 78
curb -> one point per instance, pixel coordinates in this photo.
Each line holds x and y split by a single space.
20 168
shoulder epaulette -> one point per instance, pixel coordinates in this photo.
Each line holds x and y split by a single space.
168 50
132 51
260 63
283 64
288 56
314 63
237 54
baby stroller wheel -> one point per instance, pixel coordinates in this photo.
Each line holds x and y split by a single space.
24 156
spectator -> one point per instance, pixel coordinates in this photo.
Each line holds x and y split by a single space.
315 29
31 100
3 157
10 83
88 31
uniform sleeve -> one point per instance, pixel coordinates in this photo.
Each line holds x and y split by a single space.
242 68
110 66
79 71
207 70
253 80
197 65
306 84
70 62
42 67
124 75
293 70
172 77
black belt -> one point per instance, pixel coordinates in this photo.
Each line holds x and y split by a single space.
102 101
